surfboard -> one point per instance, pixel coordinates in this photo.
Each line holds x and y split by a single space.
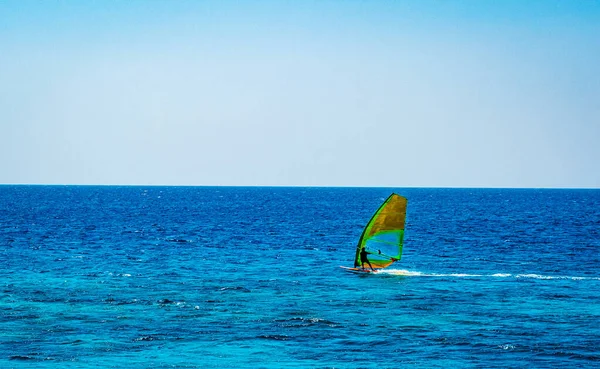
358 270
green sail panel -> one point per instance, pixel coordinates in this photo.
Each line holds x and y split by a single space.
384 234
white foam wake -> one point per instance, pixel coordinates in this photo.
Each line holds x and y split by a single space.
410 273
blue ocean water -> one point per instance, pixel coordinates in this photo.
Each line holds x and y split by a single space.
241 277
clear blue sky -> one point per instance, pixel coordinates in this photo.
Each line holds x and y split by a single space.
310 93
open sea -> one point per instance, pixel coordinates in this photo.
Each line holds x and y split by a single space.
250 277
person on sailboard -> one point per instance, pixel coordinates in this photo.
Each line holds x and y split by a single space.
364 259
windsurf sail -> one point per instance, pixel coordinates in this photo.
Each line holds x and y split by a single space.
383 236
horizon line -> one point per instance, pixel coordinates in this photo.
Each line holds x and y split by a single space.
298 186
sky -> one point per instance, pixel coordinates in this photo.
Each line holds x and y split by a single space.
301 93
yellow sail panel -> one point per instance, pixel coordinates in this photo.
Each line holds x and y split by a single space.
390 216
380 264
383 236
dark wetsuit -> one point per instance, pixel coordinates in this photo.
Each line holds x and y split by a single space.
364 259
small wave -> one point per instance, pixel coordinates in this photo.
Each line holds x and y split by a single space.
21 357
147 338
274 337
507 347
178 240
298 322
538 276
235 288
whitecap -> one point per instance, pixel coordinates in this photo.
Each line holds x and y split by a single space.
400 272
535 276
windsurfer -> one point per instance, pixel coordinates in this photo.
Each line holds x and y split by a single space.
364 259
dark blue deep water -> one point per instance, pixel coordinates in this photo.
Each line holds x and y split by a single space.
207 277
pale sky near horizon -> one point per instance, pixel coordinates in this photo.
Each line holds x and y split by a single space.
301 93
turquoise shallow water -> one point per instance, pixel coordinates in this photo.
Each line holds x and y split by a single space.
196 277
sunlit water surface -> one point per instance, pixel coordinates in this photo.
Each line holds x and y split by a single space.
199 277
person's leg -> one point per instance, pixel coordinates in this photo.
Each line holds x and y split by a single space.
371 265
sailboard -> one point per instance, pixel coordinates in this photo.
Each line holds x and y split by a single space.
382 237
